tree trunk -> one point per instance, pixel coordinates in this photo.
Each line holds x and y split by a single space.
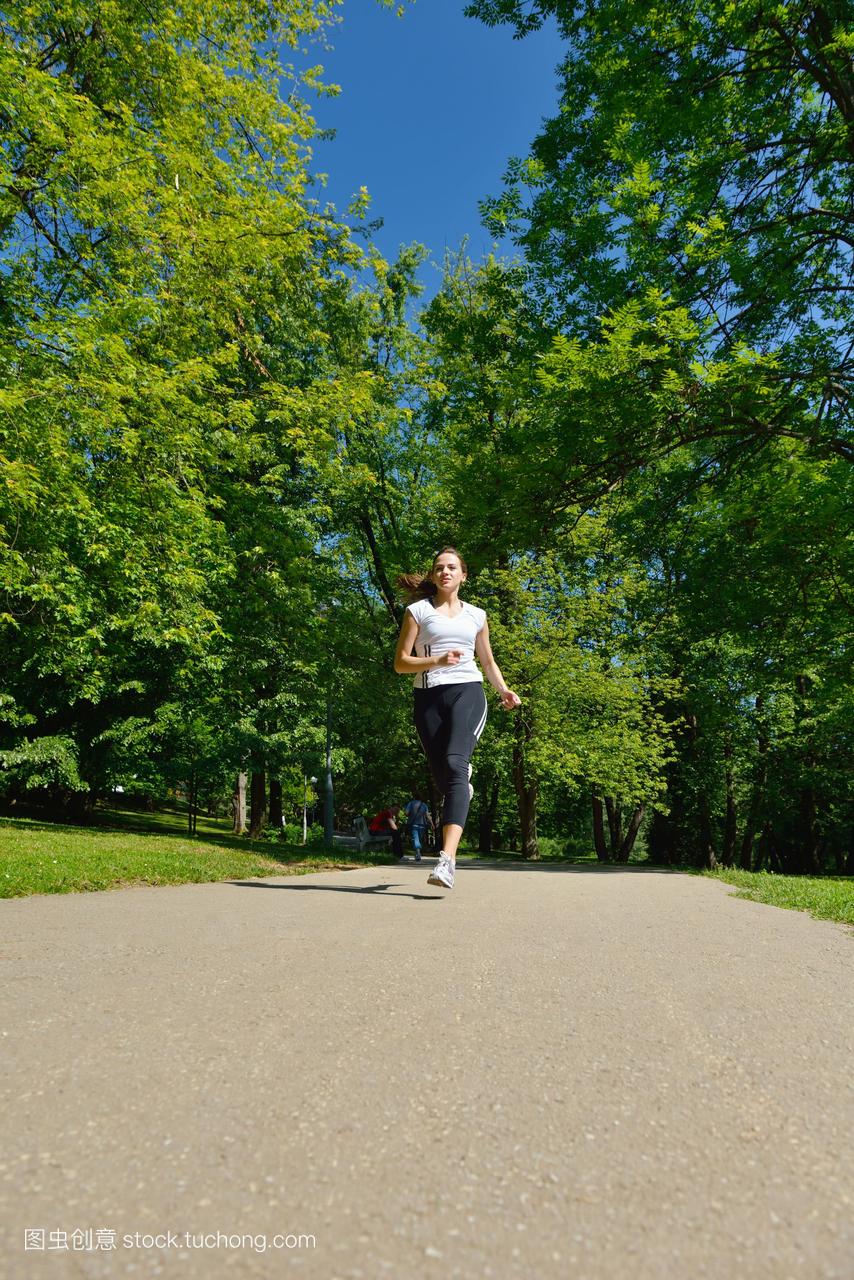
615 826
806 856
599 830
526 790
751 825
808 852
486 824
629 841
527 804
257 803
708 856
238 805
662 838
80 806
705 855
276 803
728 850
757 796
192 803
771 846
760 857
745 853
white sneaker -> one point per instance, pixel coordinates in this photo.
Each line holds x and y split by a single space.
443 872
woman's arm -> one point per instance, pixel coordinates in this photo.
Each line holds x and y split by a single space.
483 649
405 664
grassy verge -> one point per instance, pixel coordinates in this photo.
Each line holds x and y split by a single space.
825 897
129 848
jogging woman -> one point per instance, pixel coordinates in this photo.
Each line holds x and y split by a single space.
445 634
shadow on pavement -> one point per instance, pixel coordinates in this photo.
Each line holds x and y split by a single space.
392 890
335 888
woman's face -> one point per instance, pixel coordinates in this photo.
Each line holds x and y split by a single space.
448 572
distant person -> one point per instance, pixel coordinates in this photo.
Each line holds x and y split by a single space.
439 638
386 822
418 819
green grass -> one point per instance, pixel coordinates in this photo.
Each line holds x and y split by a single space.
132 848
825 897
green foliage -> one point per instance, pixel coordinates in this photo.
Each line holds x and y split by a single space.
695 191
45 763
589 707
685 219
166 377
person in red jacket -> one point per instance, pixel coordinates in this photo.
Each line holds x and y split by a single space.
386 821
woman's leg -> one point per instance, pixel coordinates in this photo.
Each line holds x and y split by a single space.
449 720
433 727
467 715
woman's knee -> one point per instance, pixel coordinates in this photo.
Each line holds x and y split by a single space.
457 770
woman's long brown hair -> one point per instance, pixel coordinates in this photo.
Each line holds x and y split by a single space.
418 586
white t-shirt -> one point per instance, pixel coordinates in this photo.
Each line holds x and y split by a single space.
437 633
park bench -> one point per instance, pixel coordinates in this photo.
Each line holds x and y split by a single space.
361 838
369 839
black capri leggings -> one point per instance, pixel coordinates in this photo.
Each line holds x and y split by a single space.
449 719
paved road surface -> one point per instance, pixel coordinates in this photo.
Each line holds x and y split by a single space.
575 1073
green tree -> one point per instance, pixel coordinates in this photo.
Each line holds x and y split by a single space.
158 237
686 220
694 194
749 604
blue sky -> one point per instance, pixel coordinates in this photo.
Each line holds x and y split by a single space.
432 105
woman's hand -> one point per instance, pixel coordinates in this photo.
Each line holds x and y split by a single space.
450 658
509 700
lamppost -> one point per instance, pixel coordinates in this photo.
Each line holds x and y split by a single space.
305 782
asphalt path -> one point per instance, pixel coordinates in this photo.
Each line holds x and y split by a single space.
578 1073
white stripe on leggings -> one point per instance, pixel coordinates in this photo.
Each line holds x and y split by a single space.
479 730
